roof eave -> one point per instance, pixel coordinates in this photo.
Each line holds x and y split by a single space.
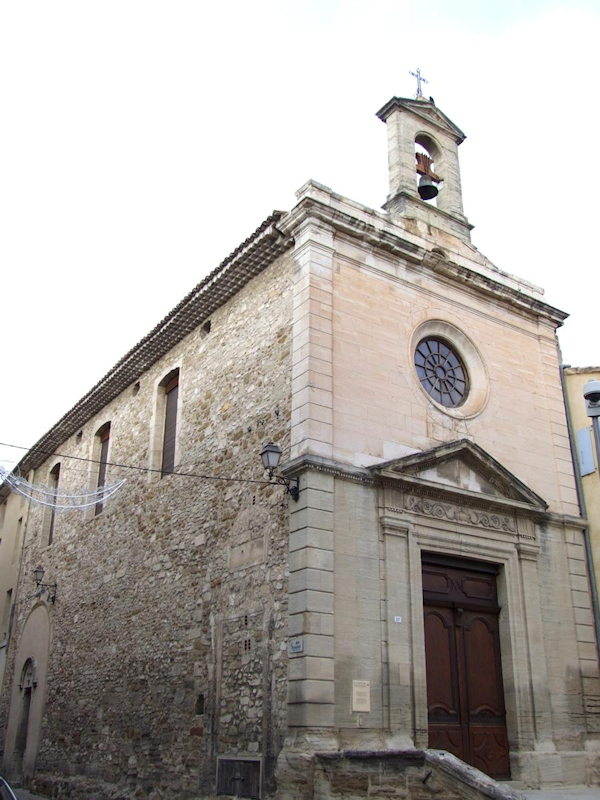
250 258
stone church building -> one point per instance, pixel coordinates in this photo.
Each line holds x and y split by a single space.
428 588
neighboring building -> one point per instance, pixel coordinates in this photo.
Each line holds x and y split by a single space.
587 458
14 511
429 586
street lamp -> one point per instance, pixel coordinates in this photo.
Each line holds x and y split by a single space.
591 394
271 454
38 574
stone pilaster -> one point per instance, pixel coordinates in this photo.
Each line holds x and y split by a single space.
584 627
538 708
312 382
311 583
397 614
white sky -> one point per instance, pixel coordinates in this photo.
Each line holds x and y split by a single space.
142 141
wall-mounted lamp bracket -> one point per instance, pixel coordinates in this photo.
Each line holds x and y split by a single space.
271 455
292 485
49 588
44 588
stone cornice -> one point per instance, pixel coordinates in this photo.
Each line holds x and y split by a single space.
478 459
354 227
382 237
431 489
427 110
431 210
295 466
491 288
566 520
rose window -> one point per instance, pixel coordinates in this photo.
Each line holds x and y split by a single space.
441 372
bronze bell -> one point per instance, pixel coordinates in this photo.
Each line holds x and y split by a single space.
427 188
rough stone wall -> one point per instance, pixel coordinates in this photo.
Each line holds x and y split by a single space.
401 774
159 595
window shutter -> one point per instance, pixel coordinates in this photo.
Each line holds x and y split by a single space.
585 452
168 460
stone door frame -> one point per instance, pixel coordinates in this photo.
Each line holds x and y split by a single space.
470 649
405 536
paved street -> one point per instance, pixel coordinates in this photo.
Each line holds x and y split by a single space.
576 793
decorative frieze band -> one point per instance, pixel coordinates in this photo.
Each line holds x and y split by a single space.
462 514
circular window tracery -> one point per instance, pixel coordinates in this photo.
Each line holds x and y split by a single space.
441 372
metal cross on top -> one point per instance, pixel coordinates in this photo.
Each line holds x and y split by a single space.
420 80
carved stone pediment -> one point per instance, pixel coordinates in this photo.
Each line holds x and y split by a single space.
426 109
460 472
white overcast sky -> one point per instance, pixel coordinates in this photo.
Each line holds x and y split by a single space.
142 141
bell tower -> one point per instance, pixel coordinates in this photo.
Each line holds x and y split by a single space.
424 172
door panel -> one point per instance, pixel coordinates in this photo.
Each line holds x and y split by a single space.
489 750
465 698
442 688
446 737
481 652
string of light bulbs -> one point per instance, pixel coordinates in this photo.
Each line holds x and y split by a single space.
57 498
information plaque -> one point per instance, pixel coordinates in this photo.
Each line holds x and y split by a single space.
361 696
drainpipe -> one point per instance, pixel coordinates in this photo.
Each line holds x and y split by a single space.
582 509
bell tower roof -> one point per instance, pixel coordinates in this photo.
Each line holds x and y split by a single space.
427 109
423 165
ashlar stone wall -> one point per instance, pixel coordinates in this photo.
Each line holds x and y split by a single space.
381 308
368 289
168 636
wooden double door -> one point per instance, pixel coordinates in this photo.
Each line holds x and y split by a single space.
465 698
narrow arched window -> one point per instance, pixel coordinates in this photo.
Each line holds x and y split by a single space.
28 680
53 483
170 429
103 436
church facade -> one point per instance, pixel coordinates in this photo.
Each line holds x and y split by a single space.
427 588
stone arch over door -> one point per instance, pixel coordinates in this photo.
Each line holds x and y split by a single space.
27 698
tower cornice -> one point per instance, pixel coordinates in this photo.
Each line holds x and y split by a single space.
426 109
